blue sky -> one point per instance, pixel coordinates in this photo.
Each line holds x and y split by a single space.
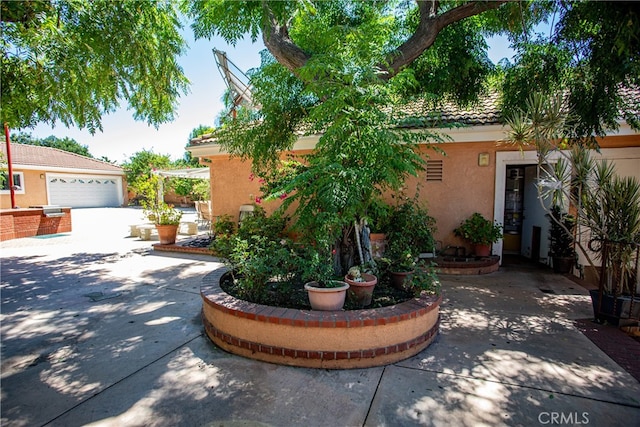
122 136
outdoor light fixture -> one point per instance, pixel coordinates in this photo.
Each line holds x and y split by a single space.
483 159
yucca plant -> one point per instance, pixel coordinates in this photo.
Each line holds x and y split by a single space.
611 211
606 206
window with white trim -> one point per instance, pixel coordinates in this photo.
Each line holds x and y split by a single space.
18 182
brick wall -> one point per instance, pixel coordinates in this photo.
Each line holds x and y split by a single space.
18 223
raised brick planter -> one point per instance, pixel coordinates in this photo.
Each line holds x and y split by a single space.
30 222
480 266
330 339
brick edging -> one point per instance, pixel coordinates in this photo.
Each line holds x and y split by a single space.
318 339
213 295
255 347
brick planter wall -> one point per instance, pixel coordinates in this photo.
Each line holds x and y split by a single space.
18 223
318 339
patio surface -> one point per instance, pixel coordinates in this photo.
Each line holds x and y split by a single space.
99 329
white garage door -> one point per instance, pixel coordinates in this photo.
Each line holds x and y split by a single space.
82 191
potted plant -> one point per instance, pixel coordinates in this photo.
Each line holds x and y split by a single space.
167 219
361 285
324 291
401 262
480 232
610 207
561 240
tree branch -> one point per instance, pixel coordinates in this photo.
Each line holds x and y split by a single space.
276 39
276 36
428 29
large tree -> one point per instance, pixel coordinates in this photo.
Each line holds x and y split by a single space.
344 69
72 61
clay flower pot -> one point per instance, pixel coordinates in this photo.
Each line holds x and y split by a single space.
167 234
362 292
327 299
398 278
482 250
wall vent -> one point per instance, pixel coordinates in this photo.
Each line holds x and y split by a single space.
434 170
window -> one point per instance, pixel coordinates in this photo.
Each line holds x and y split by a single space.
434 170
18 182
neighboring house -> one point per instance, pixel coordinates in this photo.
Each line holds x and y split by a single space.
477 174
48 176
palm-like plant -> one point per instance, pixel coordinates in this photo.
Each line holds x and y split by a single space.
607 206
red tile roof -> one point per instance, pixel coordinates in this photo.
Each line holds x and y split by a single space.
486 111
33 155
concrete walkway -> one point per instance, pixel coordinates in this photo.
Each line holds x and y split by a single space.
99 330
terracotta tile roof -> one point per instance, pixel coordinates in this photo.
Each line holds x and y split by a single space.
486 111
423 113
33 155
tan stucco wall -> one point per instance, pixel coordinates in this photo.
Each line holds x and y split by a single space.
35 191
465 188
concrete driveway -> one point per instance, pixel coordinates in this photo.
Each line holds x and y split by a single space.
99 330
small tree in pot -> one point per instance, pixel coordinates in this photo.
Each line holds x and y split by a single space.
561 240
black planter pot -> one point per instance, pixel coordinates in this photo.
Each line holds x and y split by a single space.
562 265
617 311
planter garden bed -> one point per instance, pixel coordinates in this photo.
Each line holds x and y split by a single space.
321 339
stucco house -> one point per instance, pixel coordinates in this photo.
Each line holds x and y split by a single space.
48 176
477 174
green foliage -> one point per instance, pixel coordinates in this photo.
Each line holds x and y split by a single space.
224 226
139 172
399 257
163 214
409 232
64 144
410 223
194 188
561 230
605 37
424 279
478 230
607 206
201 190
74 61
258 260
271 227
592 54
201 130
378 216
260 254
460 47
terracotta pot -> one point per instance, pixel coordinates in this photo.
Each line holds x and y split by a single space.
362 292
482 250
327 299
378 244
398 278
167 234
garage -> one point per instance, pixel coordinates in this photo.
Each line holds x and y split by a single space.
84 191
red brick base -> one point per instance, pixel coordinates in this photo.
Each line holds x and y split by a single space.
18 223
